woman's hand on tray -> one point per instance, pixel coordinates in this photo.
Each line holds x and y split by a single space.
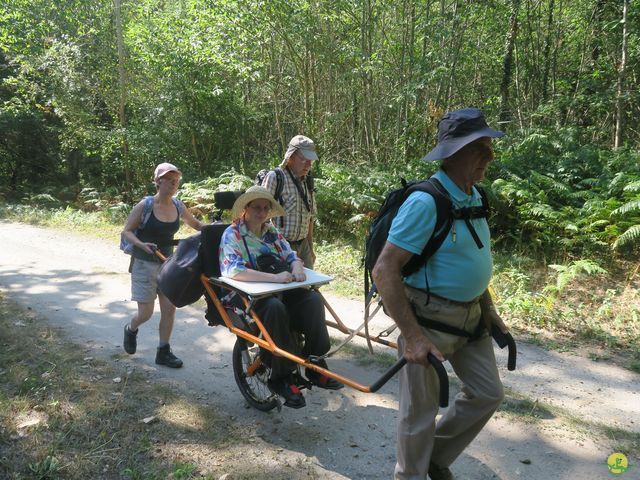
297 270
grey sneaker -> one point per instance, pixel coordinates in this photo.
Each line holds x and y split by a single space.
437 472
130 342
165 356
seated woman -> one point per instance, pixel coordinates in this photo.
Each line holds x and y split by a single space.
249 236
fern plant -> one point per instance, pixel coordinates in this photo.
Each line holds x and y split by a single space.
199 196
630 210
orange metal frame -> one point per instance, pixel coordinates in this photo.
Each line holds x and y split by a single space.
267 342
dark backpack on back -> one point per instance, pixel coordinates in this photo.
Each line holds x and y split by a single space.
262 174
445 214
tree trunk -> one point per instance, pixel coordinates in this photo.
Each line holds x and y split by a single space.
620 92
366 45
547 53
507 66
122 84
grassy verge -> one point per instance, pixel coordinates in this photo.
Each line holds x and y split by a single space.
64 414
344 263
580 306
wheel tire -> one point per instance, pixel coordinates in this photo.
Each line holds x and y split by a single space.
254 388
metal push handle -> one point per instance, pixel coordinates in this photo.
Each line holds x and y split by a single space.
437 365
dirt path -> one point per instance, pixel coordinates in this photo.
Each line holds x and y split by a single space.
81 286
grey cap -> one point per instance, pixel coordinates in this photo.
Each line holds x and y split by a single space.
457 129
302 144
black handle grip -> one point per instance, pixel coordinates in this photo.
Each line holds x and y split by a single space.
437 365
443 378
513 353
504 339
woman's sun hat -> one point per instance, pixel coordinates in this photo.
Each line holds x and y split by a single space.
163 169
256 193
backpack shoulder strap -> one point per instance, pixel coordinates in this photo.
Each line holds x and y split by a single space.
443 222
279 183
485 199
146 211
179 205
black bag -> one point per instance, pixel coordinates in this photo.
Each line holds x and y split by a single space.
179 276
271 263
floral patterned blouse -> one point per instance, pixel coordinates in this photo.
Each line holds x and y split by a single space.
233 253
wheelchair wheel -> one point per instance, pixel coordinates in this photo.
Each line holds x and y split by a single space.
252 386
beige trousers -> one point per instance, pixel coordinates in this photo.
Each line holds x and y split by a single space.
422 440
303 250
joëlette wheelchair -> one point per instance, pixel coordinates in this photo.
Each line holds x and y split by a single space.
250 373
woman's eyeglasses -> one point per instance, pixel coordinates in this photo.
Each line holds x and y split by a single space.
258 208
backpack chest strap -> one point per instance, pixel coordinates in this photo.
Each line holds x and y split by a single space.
468 213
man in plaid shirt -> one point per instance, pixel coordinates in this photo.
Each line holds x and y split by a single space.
297 197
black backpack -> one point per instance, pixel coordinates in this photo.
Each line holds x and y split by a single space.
445 214
262 174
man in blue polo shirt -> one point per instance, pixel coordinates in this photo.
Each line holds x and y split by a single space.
450 289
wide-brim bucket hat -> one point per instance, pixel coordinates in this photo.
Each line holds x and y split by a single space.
457 129
255 193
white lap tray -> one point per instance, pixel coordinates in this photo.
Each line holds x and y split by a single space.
258 289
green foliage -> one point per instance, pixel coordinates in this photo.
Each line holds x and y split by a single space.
219 85
557 198
183 471
199 196
519 296
629 215
46 469
573 298
343 262
42 200
635 364
350 196
630 238
218 88
568 273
